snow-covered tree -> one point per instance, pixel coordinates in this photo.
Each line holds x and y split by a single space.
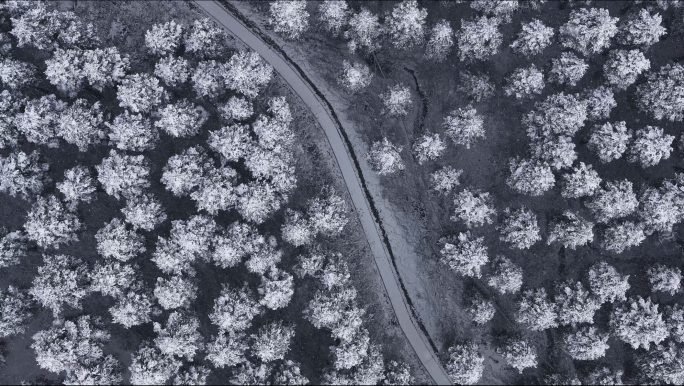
465 365
102 371
13 246
558 114
62 280
205 39
233 244
665 279
173 71
638 323
571 230
476 87
195 375
642 29
123 175
23 174
264 257
289 374
610 140
505 276
181 119
64 71
623 67
104 67
10 106
149 366
478 38
623 235
81 124
525 82
334 14
297 229
113 278
661 208
77 186
503 9
227 350
247 373
600 102
530 177
140 93
662 365
535 311
586 344
132 132
234 309
519 354
289 18
180 336
604 376
276 289
465 254
473 207
398 374
582 181
575 304
364 32
272 342
39 120
589 30
355 76
556 151
257 201
132 309
351 353
175 292
164 39
68 344
607 284
247 73
533 38
144 212
46 30
188 241
567 69
16 75
385 157
428 147
519 228
445 179
183 172
406 25
650 146
49 223
480 310
662 94
674 318
15 311
396 100
615 200
440 42
216 190
208 79
464 126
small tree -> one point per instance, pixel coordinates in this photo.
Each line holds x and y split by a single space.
231 245
183 172
290 374
524 82
505 276
530 177
234 310
558 114
589 30
575 304
247 73
464 126
445 179
355 77
150 366
440 42
49 223
364 32
396 100
15 311
208 79
39 120
519 354
480 310
465 255
533 38
570 230
265 256
519 228
132 309
610 140
607 284
650 146
642 29
17 75
77 186
276 289
665 279
384 157
112 278
604 376
62 280
567 69
205 39
227 350
503 9
556 151
662 94
173 71
617 199
182 119
581 182
82 124
479 38
465 365
272 342
123 175
258 201
140 93
624 67
180 337
104 67
144 212
236 109
535 311
623 235
188 241
297 229
474 208
662 365
64 71
10 105
334 14
674 318
661 208
195 375
600 102
132 132
23 174
231 142
586 344
289 18
476 87
638 323
13 246
164 39
406 25
175 292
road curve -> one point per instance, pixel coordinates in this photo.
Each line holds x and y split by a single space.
351 176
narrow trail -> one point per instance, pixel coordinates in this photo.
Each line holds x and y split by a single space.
349 166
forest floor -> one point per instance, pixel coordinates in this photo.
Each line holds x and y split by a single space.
416 217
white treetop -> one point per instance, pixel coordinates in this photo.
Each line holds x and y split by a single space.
104 67
604 376
465 365
188 241
505 276
533 38
466 255
23 174
276 289
144 212
355 76
77 186
674 318
272 342
406 25
385 157
429 147
123 175
180 336
290 374
132 309
519 354
396 100
231 245
10 105
607 283
582 181
567 69
571 230
441 41
181 119
62 280
183 172
445 179
535 311
662 95
617 199
610 140
499 8
195 375
665 279
164 39
227 350
519 228
478 38
586 344
216 190
638 323
530 177
257 201
473 207
297 229
113 278
16 75
81 124
624 67
132 132
247 73
39 120
234 310
13 246
600 102
480 310
236 109
208 79
477 87
334 14
149 366
589 30
575 304
662 365
173 71
525 82
264 257
175 292
558 114
205 39
15 311
660 209
464 126
641 29
289 18
556 151
140 93
49 223
623 235
650 146
364 32
64 71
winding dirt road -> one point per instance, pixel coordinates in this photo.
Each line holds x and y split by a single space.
344 155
